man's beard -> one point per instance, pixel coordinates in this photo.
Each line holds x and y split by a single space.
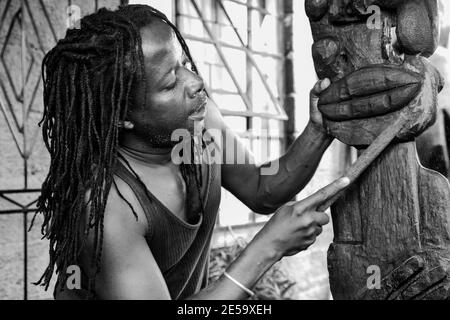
164 138
160 138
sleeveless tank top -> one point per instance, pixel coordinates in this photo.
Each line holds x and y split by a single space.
180 249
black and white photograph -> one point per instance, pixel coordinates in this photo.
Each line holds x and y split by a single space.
245 152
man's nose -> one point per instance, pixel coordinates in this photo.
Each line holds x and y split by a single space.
194 85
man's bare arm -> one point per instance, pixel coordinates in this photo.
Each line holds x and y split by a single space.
266 193
129 270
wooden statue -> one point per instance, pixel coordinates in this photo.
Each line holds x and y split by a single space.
396 218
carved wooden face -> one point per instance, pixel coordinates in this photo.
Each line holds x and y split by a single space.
373 51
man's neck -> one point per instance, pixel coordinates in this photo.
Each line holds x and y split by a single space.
145 153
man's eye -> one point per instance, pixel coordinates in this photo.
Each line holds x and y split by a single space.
171 86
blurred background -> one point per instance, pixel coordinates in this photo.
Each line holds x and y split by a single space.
255 57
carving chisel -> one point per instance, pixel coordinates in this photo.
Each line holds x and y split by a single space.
368 157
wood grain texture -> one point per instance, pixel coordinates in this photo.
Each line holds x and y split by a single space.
397 214
393 213
368 157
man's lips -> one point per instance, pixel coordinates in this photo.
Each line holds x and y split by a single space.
369 92
200 112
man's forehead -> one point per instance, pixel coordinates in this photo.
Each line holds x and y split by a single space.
159 43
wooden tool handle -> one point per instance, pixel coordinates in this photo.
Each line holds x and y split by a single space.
368 157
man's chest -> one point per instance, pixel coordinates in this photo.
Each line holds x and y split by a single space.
168 186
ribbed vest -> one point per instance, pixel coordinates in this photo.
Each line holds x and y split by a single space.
181 250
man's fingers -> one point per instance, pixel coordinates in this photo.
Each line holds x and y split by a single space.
320 86
315 92
326 193
321 218
308 243
319 231
313 220
313 232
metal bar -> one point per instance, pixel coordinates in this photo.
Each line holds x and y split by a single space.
18 191
31 203
226 112
224 92
247 46
289 83
24 135
18 211
14 202
259 9
213 64
281 77
222 56
231 46
22 207
253 62
177 13
249 73
191 17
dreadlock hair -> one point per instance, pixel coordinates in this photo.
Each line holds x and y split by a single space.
88 89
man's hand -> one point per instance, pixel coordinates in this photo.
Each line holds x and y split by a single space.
296 225
315 116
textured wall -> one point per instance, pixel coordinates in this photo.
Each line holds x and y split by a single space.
21 95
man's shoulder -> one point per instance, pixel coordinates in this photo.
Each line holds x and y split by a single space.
118 210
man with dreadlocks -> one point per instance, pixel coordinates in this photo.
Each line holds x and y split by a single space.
138 225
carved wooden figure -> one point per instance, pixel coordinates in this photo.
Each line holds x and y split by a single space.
396 217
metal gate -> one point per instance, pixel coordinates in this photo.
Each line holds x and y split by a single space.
28 29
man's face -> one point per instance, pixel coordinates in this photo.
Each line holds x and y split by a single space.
173 96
